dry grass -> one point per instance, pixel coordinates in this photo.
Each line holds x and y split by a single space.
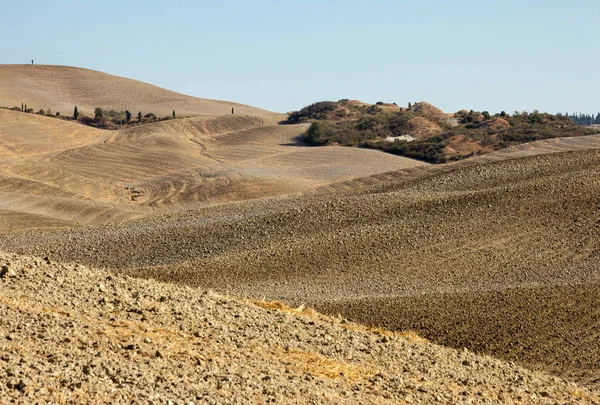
427 110
324 367
422 128
312 314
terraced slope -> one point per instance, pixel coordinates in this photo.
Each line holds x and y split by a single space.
69 174
91 336
501 258
60 88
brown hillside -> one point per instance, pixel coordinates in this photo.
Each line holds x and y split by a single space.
73 174
496 123
513 244
427 110
60 88
73 335
422 128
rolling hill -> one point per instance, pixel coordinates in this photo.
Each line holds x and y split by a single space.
55 173
423 131
96 337
501 257
497 253
60 88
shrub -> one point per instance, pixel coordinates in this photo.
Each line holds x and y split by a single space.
98 114
374 109
398 122
316 111
317 134
84 119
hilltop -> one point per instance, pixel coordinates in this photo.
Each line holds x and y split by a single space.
93 336
425 132
61 88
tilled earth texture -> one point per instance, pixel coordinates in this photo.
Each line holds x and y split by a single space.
71 334
499 258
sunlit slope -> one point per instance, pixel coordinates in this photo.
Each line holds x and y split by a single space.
502 258
60 88
25 135
78 174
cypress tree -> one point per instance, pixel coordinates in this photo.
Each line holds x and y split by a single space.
75 113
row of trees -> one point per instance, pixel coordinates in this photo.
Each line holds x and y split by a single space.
584 119
101 114
111 118
41 111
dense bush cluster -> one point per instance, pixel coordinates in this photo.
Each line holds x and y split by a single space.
316 111
356 124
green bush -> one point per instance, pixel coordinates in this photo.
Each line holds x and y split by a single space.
316 111
317 134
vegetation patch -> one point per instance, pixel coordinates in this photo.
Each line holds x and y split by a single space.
427 133
103 118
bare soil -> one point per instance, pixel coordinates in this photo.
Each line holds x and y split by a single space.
509 235
69 334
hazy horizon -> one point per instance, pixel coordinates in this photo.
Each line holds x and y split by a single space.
281 57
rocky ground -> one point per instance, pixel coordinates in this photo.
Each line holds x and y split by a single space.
71 334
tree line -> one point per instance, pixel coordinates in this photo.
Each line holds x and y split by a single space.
584 119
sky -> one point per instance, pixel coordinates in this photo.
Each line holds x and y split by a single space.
282 55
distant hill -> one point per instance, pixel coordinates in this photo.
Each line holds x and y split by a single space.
423 131
61 88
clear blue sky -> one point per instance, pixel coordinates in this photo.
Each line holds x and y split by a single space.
282 55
